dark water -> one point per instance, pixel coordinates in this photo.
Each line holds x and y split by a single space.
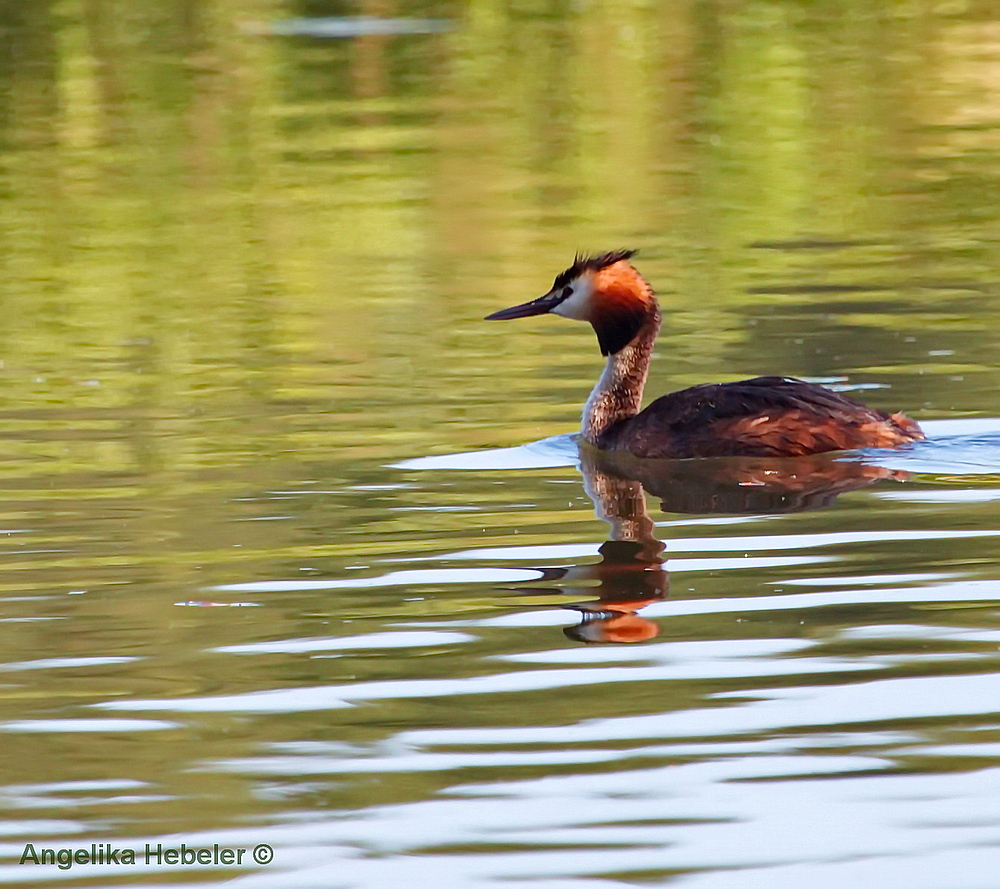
297 551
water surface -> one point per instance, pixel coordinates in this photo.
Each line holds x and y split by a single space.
298 551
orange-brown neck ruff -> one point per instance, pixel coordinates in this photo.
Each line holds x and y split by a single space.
622 302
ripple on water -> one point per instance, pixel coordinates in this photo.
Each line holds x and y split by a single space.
243 278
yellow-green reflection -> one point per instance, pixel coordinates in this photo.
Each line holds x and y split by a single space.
239 274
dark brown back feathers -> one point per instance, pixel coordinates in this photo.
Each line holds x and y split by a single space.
761 417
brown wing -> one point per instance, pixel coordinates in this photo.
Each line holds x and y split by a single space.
762 417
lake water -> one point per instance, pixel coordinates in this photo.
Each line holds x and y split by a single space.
299 553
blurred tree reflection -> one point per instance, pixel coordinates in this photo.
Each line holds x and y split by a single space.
359 200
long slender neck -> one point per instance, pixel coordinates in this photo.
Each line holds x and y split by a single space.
618 393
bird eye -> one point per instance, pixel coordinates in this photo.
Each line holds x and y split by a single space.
567 292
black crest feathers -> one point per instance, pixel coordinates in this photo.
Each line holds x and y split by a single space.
583 264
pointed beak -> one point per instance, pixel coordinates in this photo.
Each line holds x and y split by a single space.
536 307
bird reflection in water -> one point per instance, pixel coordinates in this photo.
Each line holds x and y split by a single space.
632 571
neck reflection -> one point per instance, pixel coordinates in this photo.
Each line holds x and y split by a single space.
632 572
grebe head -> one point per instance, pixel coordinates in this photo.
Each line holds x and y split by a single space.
605 290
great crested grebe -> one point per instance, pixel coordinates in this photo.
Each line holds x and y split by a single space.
762 417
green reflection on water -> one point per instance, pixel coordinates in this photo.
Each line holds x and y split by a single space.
233 265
